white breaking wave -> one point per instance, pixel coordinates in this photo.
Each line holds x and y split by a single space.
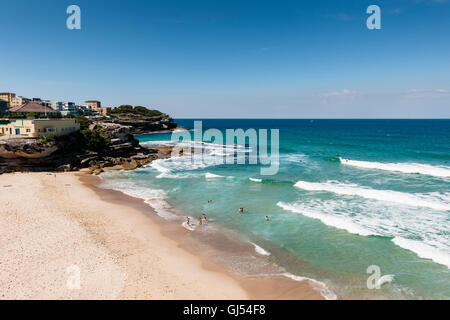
205 147
423 250
255 180
413 168
338 222
414 200
319 286
209 175
211 155
260 250
294 157
176 167
402 224
158 165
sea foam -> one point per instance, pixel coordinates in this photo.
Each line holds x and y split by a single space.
424 251
209 175
260 250
153 197
317 285
368 218
414 200
338 222
412 168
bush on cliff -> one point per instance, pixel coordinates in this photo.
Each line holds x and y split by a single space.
48 139
93 141
124 109
83 141
83 121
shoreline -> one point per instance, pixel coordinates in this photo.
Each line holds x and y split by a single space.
122 248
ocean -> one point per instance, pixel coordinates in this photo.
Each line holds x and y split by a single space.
353 201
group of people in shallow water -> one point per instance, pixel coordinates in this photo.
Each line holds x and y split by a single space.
202 219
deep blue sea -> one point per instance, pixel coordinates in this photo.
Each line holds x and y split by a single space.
349 194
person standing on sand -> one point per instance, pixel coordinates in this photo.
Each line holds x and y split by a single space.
188 221
204 218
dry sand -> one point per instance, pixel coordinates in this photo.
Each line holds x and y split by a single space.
53 225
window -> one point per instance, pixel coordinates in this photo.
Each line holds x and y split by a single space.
28 130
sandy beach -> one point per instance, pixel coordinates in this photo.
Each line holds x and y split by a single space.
55 228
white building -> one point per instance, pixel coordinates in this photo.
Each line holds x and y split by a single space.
63 107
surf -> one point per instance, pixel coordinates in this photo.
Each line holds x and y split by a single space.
414 200
409 168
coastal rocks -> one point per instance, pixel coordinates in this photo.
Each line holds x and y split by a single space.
64 168
27 155
123 151
129 163
112 131
26 148
140 124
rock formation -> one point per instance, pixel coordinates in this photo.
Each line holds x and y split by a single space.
123 151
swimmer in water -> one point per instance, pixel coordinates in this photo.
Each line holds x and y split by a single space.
241 210
267 218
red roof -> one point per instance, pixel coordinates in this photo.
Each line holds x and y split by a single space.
33 107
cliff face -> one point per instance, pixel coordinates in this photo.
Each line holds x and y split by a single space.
27 155
26 148
142 124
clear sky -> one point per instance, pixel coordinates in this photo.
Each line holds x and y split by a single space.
229 58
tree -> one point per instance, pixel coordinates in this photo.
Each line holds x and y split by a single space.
93 141
83 121
136 110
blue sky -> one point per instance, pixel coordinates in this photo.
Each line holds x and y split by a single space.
246 58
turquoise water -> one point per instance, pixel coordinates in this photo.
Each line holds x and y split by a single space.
349 194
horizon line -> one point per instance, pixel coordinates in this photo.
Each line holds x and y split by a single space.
245 118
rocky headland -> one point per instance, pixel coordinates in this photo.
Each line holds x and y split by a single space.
121 150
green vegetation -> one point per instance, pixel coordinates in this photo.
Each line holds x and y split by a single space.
48 139
32 115
84 122
17 115
83 141
123 109
92 140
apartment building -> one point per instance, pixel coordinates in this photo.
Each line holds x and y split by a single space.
63 107
7 96
18 101
93 105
